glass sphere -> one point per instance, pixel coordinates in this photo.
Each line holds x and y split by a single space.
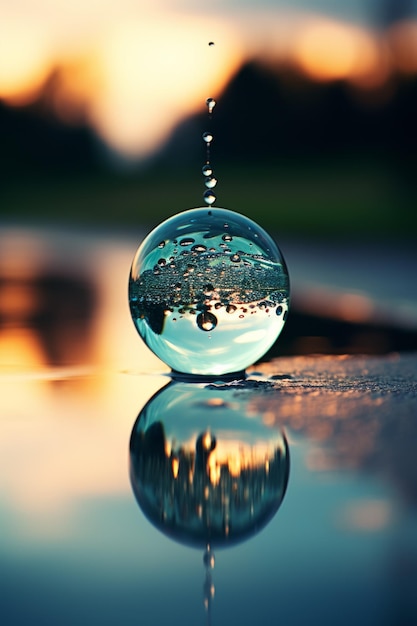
208 291
207 468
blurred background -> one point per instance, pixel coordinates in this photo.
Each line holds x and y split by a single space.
102 109
102 106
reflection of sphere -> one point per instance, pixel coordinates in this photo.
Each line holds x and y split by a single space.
208 291
202 469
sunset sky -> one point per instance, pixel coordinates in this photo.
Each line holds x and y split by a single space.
133 69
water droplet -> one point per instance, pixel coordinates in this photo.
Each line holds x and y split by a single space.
206 321
209 197
208 558
235 258
199 248
187 241
208 137
210 182
207 170
230 308
279 310
211 43
161 244
162 262
211 103
227 238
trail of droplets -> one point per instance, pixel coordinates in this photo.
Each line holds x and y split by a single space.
209 180
208 587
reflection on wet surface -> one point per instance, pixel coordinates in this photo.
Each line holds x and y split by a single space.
75 548
57 309
203 469
357 412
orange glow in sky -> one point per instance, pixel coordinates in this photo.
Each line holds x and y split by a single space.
24 64
133 74
329 50
154 74
134 70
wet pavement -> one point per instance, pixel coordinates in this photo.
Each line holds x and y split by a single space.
87 414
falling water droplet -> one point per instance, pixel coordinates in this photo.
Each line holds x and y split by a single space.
211 103
207 170
208 137
209 197
210 182
206 321
208 558
211 43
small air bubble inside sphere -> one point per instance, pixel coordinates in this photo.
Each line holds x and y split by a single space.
208 309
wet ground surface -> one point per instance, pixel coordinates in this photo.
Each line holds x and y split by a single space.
78 548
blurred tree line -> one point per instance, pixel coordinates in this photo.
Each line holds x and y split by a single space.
272 127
